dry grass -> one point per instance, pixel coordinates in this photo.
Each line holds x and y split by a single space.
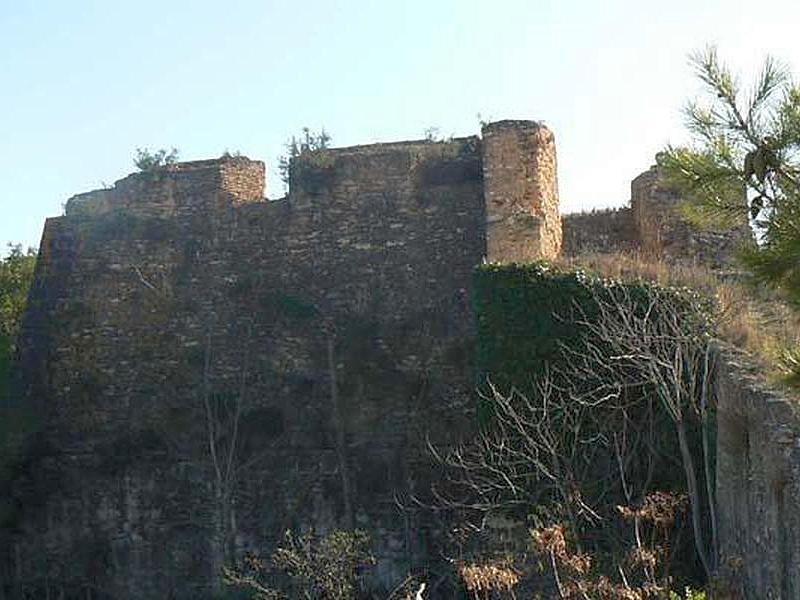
751 320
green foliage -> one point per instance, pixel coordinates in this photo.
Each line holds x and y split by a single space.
148 161
307 566
744 164
16 275
528 314
304 153
5 365
516 309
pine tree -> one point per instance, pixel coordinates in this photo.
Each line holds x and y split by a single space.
744 164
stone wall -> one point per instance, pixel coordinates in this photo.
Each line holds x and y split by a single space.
662 231
336 321
174 190
652 225
653 207
519 165
758 483
611 230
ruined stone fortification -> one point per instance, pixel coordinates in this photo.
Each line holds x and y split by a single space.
652 225
336 321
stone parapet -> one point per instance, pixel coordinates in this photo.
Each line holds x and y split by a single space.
177 189
663 231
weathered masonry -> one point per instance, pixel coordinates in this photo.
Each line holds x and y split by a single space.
208 369
329 331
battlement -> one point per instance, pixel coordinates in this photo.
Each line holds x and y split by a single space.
385 167
652 224
177 188
508 177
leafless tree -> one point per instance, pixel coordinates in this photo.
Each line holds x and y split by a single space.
223 416
577 446
662 341
227 453
329 332
536 447
591 431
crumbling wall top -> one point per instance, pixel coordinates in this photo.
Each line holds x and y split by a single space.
513 124
164 192
377 168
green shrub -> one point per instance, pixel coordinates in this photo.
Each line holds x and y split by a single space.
305 158
148 161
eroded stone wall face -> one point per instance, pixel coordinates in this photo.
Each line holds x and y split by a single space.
165 298
663 232
654 212
521 191
602 231
242 180
758 484
174 191
651 225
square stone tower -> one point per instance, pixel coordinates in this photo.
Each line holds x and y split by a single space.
521 192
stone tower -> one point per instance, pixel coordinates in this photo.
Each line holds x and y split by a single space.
521 192
662 230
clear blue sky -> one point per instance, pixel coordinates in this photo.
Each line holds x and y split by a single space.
84 83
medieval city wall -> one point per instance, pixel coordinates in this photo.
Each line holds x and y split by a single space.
338 317
338 320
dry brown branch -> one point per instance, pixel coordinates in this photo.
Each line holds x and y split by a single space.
664 343
536 449
484 579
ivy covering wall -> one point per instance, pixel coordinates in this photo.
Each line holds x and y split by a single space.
534 319
528 314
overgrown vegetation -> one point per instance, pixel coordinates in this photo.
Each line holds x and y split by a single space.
304 153
749 318
16 275
149 161
643 570
595 396
307 566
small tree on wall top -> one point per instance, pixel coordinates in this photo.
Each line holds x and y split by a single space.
302 149
148 161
